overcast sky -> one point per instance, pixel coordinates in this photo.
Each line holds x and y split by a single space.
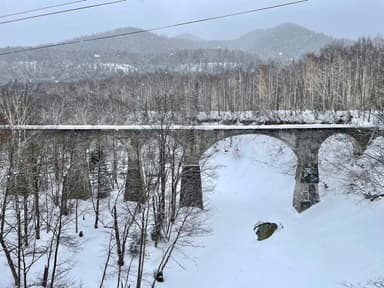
339 18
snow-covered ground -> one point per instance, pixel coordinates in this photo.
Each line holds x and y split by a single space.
354 117
338 240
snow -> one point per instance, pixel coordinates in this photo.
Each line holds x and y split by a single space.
187 127
208 66
222 120
115 67
354 117
31 65
338 240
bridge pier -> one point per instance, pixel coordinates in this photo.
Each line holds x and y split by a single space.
134 185
306 191
191 192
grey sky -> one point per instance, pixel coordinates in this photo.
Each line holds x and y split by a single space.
339 18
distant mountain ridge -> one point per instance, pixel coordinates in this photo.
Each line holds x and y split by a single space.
146 52
286 40
190 37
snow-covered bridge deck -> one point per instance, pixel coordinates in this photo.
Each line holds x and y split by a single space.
184 127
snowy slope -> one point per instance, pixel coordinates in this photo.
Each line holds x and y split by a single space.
338 240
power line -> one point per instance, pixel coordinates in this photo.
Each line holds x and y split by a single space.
79 41
41 8
61 11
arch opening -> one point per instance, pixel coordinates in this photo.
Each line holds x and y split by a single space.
338 154
254 150
345 171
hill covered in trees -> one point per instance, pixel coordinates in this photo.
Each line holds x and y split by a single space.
149 52
339 78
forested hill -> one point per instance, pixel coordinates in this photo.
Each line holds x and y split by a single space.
284 41
149 52
339 78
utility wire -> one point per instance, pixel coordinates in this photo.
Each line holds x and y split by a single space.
61 11
41 8
79 41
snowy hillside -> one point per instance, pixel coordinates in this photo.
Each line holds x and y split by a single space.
338 240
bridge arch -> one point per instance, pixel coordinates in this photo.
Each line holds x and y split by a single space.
346 151
335 152
191 185
167 151
259 161
288 140
147 163
358 147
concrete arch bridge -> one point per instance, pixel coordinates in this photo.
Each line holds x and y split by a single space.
304 140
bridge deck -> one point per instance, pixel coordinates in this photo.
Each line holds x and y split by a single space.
182 127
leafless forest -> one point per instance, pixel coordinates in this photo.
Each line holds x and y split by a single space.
340 77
